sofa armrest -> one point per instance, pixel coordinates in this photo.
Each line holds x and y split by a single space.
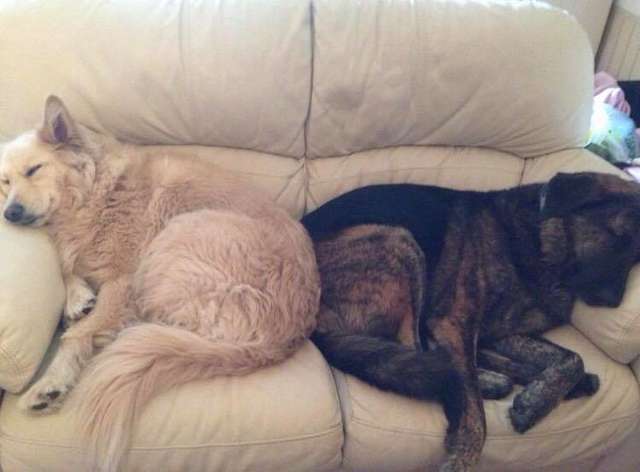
635 367
614 330
31 301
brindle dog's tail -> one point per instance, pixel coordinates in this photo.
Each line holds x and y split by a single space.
424 375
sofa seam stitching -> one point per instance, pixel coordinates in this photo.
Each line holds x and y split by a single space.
523 170
307 119
630 322
332 430
13 362
385 171
312 37
634 415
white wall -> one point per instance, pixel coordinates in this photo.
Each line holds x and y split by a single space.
631 5
620 49
592 14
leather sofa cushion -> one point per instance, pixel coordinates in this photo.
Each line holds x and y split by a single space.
233 73
266 421
455 167
31 301
387 432
512 76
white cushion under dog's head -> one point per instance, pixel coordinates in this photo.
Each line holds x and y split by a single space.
31 298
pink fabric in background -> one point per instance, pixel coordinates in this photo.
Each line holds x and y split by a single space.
605 89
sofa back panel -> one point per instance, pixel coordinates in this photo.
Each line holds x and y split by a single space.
233 73
461 168
281 178
512 76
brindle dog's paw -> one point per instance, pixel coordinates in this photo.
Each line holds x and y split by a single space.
524 412
494 386
588 385
521 420
44 397
454 465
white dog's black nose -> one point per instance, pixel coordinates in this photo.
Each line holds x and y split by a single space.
14 213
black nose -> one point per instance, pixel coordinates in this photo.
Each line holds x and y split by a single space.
14 212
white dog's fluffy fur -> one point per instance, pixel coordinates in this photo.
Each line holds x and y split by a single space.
190 273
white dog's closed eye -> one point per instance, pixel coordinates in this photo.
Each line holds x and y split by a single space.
4 191
31 171
4 182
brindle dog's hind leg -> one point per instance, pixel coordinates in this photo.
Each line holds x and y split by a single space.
523 373
457 302
560 371
453 328
463 408
372 284
587 386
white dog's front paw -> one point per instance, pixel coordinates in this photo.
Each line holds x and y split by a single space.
45 397
81 299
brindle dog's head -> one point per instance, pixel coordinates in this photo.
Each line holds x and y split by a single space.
591 232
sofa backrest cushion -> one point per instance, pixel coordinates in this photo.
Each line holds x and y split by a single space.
329 77
512 76
233 73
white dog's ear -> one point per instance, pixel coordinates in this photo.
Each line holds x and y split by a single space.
58 126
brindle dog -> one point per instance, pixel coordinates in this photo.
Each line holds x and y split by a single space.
454 278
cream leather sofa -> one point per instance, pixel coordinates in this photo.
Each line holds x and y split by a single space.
311 98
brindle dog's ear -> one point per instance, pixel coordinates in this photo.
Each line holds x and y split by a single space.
58 127
625 222
565 193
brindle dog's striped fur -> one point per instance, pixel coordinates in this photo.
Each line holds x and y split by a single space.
477 276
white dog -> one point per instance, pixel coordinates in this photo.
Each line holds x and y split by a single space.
192 273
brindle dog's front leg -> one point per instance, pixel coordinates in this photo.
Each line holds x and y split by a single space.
76 348
520 372
560 371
